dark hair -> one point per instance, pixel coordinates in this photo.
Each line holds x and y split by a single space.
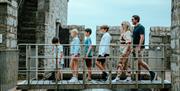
55 40
88 30
136 17
105 27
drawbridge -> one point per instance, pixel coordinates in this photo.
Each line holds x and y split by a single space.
37 54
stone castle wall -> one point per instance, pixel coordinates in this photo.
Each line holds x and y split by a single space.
8 24
160 39
8 44
175 44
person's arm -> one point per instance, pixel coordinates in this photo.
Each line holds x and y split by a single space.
90 47
141 40
128 40
61 53
76 47
142 33
107 41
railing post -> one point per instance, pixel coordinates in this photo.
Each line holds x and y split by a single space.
36 63
56 71
137 70
163 70
110 73
28 63
84 73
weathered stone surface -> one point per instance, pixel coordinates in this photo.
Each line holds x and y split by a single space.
49 12
37 24
175 44
8 52
8 24
114 32
160 35
9 68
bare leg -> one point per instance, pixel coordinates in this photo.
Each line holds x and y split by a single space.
120 69
128 73
99 65
89 73
72 66
58 75
104 66
143 64
76 67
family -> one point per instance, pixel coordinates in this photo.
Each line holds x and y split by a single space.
128 37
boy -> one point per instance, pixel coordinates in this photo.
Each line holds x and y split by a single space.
88 51
104 51
57 51
75 53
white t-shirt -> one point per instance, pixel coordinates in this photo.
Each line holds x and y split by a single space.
104 47
59 50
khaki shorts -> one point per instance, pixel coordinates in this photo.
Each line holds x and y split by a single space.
137 54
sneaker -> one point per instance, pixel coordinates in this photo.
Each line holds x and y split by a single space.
53 81
105 76
128 79
153 75
115 80
73 79
88 80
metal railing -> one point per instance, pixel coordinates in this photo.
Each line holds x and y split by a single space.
36 53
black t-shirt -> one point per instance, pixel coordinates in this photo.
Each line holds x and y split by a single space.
138 30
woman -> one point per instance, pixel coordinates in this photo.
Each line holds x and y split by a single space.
125 49
75 53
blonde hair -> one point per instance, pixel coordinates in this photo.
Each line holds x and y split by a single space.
74 30
129 28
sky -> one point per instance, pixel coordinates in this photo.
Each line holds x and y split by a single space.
112 12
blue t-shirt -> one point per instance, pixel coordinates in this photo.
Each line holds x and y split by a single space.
75 46
87 44
138 30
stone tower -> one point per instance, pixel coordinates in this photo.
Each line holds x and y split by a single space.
39 21
26 21
175 44
8 44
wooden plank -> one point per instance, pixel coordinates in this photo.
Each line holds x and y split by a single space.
33 82
60 82
47 84
22 82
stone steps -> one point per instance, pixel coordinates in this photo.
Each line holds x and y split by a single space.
30 8
29 14
28 29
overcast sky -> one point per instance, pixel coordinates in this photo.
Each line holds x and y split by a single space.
112 12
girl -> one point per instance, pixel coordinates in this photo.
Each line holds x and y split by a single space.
75 53
57 51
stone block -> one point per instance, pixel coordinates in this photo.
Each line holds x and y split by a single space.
9 68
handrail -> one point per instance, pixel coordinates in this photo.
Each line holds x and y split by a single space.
29 58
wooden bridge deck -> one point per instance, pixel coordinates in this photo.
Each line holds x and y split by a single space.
65 84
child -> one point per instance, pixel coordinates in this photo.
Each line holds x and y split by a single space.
57 51
104 51
88 51
75 53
